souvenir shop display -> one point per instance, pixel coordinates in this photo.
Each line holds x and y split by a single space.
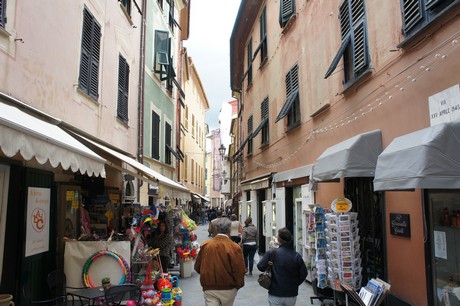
320 245
186 244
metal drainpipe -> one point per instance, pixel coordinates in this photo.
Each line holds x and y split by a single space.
140 111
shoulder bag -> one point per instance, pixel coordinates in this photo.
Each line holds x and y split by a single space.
265 279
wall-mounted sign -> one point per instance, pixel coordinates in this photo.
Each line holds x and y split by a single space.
445 105
341 205
400 224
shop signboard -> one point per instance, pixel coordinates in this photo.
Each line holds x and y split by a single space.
341 205
38 220
400 224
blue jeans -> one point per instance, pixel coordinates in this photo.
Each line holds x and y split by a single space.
248 253
284 301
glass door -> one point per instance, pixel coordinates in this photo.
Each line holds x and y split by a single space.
445 246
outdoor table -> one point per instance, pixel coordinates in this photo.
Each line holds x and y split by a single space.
87 294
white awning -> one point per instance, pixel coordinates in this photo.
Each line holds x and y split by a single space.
199 196
150 173
354 157
428 159
32 137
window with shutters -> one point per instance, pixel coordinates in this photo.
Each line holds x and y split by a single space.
186 117
160 3
250 139
263 36
265 125
123 89
193 125
249 62
417 14
88 80
127 5
172 20
354 47
162 57
287 9
168 133
291 107
155 135
2 13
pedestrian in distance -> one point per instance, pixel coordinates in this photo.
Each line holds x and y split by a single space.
250 243
236 229
221 267
212 225
288 271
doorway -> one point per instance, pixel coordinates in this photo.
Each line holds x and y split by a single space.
260 217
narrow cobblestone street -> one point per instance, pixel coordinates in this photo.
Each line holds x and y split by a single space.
250 294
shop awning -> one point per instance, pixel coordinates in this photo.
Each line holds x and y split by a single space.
147 174
261 182
32 137
428 158
199 196
354 157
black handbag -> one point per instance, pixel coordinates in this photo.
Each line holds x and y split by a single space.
265 279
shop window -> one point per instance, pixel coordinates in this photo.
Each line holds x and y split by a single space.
416 14
123 89
90 53
155 135
354 47
287 9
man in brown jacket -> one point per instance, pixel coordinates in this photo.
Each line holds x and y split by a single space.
221 267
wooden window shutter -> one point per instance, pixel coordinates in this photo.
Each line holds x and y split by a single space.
168 148
123 89
263 34
412 13
155 135
287 9
90 52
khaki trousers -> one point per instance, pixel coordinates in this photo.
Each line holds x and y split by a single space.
220 297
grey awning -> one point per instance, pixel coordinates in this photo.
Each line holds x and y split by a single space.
354 157
427 158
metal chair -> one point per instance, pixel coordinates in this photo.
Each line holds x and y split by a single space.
57 301
57 283
115 295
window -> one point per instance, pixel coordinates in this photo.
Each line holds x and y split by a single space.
193 125
354 47
263 126
291 107
90 49
249 61
123 89
172 21
155 135
168 148
127 5
263 36
2 13
160 3
416 14
186 117
287 9
162 54
250 127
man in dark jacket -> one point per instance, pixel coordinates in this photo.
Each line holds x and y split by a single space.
288 271
221 266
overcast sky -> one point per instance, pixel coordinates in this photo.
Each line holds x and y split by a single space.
211 25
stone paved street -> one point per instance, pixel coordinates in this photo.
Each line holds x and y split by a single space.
250 294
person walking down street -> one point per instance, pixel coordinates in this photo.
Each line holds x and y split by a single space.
163 240
288 271
250 242
212 225
212 216
221 267
236 229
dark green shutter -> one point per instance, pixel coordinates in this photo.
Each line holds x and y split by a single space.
263 35
161 55
155 136
287 9
123 89
168 132
90 53
412 13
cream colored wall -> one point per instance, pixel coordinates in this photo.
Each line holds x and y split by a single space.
42 68
195 145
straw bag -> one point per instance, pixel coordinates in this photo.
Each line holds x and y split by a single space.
265 279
